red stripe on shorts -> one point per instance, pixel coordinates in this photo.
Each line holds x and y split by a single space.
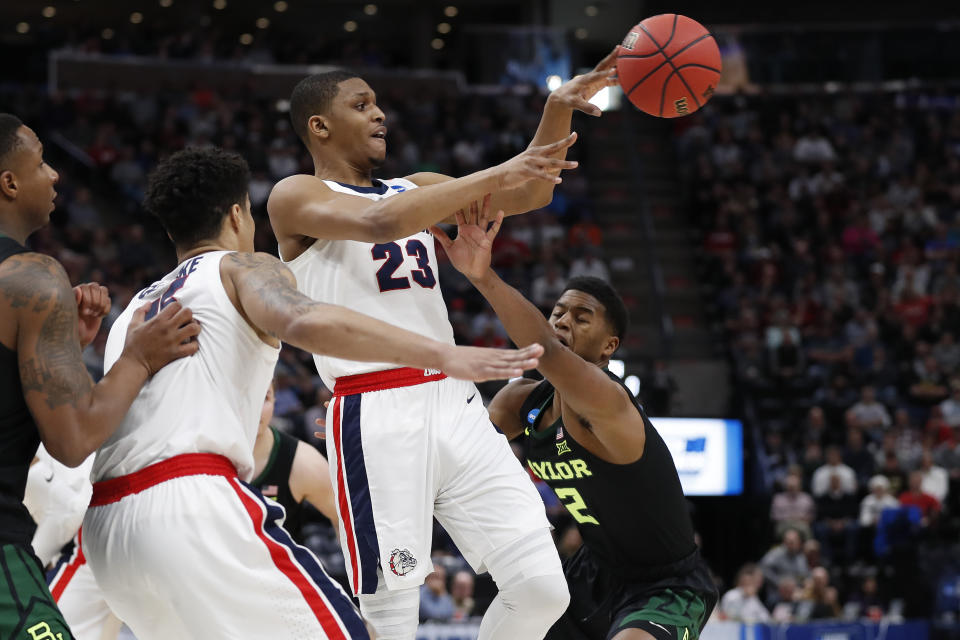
278 553
60 582
380 380
344 501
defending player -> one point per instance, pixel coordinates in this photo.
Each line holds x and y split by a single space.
639 574
47 394
290 472
181 546
409 445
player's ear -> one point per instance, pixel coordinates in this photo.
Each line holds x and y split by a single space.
236 217
8 184
613 342
318 126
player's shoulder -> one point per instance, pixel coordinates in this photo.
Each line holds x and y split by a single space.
30 274
515 392
293 188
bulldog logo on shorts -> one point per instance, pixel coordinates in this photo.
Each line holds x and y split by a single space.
402 562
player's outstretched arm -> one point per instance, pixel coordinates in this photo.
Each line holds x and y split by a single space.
266 293
304 206
585 387
573 95
74 415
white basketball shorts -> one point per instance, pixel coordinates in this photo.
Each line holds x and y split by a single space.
185 549
406 445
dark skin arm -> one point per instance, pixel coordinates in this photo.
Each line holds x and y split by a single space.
504 409
264 291
597 411
74 415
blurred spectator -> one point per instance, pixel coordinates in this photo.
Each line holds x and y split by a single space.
785 559
792 508
936 480
742 603
547 287
869 413
834 467
461 591
857 457
819 600
589 264
950 408
435 603
836 526
876 501
785 602
915 496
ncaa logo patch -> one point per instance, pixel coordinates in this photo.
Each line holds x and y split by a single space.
533 415
402 562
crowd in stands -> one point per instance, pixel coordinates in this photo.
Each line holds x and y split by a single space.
830 231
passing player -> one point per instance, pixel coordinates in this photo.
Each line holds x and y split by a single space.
47 394
639 574
180 544
408 445
290 472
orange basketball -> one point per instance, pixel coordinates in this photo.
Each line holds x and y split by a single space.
668 65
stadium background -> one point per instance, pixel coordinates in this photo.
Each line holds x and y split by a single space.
789 254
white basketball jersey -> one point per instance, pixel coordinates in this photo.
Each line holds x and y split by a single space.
209 402
396 282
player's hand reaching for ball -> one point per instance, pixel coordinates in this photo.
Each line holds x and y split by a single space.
93 303
168 336
470 251
577 92
535 163
479 364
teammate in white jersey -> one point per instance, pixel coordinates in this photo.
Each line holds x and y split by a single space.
180 544
406 446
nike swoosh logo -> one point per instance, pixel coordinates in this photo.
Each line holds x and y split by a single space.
659 625
470 399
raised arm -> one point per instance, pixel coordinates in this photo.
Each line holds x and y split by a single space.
573 95
74 415
304 206
504 409
265 292
584 387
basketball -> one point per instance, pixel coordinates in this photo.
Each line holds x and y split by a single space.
668 65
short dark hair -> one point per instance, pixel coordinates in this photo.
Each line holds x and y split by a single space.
192 190
616 310
9 140
313 96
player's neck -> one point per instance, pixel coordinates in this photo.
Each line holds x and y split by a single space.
207 247
12 230
341 170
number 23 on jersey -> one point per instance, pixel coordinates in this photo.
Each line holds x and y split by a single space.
394 256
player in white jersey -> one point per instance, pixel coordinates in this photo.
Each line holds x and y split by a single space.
409 445
57 497
180 544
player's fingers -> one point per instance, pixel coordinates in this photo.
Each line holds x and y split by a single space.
441 236
140 315
187 349
558 163
188 331
495 227
78 294
541 174
182 316
609 61
534 350
474 213
320 434
105 302
559 145
461 218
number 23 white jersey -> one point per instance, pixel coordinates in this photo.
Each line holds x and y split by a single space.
396 282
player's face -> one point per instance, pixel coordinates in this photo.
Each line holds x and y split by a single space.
580 323
356 123
266 412
32 178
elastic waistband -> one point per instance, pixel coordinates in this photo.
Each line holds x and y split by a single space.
380 380
187 464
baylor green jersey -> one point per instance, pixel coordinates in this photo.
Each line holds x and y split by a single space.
632 517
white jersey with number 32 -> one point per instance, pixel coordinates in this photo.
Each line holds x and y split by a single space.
396 282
